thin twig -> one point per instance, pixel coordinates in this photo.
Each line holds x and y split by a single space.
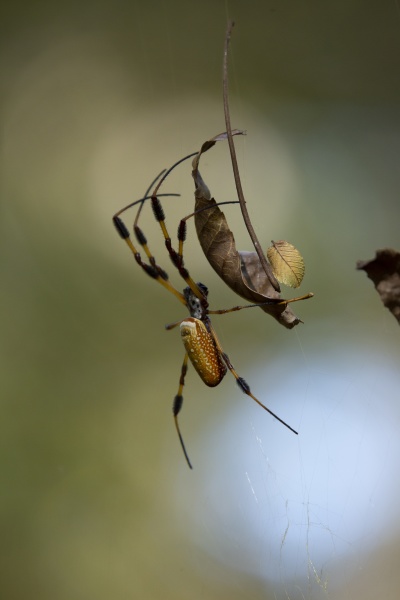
266 266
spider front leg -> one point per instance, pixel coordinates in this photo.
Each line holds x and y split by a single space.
158 211
152 269
176 257
178 401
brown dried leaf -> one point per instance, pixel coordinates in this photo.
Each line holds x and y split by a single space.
241 271
287 263
384 271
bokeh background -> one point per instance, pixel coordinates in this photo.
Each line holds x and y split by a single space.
96 500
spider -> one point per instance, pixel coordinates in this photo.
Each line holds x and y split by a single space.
202 346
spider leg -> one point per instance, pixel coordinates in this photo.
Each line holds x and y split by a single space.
176 257
244 386
147 193
152 269
178 401
223 311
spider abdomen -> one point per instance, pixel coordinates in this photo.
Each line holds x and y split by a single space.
202 351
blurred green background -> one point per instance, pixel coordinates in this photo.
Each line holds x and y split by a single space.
96 500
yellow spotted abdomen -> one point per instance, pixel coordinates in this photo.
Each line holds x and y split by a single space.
202 351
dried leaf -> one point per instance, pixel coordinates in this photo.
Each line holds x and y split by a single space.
287 263
384 271
241 271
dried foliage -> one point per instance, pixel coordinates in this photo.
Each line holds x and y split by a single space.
384 271
241 271
287 263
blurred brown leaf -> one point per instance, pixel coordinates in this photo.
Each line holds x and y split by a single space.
384 271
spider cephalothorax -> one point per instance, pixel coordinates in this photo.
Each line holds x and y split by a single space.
196 306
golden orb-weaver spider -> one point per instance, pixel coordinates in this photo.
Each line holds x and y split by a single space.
202 346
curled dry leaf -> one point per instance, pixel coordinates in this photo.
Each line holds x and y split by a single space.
384 271
241 271
287 263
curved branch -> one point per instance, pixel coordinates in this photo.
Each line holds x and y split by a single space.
250 229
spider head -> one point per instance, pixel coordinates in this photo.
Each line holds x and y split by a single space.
197 307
